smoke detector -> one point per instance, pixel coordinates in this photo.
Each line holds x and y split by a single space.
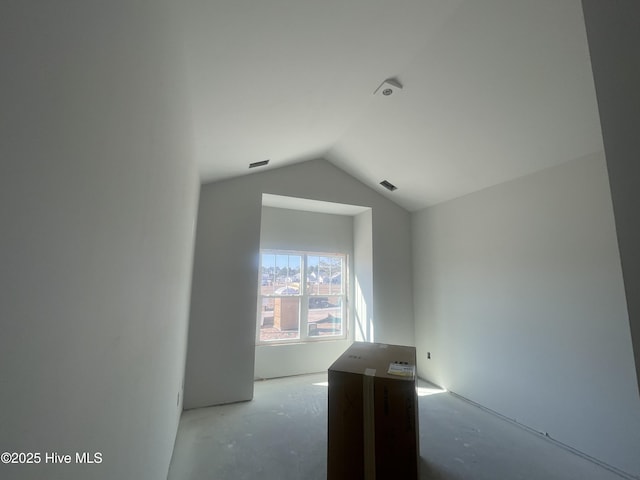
389 87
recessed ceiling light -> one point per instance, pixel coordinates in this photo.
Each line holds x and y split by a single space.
389 186
258 164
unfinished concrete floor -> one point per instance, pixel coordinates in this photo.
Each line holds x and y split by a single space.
282 435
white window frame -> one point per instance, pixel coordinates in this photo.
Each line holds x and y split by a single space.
304 296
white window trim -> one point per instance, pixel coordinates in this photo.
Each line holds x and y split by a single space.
303 297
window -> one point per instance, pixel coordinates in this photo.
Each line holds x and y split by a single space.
301 297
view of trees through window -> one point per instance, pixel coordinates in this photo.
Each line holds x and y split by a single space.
302 296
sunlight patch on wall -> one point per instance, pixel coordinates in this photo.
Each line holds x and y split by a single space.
364 324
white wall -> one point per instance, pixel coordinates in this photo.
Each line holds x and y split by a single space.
286 229
519 298
363 278
614 37
224 295
97 209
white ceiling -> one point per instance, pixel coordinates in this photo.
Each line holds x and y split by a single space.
492 89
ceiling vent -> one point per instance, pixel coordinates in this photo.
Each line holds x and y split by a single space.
389 87
389 186
259 164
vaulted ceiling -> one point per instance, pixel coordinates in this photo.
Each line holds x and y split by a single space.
491 89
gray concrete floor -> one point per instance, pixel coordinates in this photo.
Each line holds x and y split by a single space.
282 435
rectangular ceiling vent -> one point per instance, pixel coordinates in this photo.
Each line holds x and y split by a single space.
389 186
259 164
